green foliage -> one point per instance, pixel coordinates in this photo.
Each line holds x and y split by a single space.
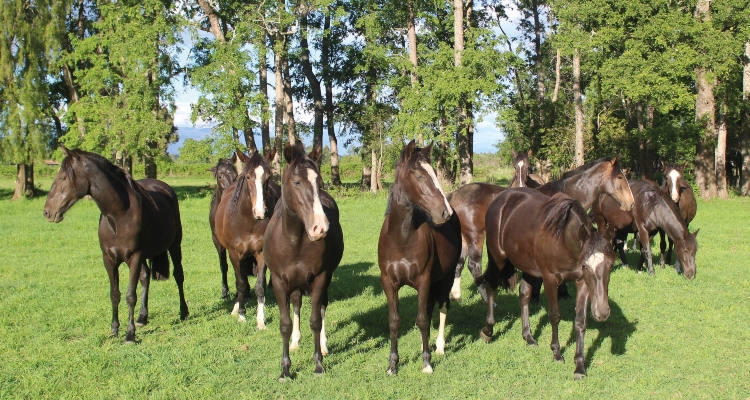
196 151
660 326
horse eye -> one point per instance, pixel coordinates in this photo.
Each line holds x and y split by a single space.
296 183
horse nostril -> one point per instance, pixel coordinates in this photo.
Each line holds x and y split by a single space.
45 213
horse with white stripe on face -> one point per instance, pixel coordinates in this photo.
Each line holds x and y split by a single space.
240 222
549 238
680 192
419 246
303 245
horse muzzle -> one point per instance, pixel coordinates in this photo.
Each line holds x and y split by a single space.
600 313
56 217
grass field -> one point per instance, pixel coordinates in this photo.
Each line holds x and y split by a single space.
666 338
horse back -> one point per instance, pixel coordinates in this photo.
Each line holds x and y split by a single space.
447 238
470 203
688 205
511 222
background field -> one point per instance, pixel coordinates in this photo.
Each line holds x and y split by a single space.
667 337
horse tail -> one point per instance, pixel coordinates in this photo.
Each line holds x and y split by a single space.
160 267
508 277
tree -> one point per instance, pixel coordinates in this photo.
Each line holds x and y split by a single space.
196 151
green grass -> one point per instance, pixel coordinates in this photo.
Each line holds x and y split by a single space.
666 337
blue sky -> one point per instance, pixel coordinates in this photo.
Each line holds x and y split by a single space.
486 134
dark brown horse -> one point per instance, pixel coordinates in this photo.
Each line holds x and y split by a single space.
522 177
680 192
584 184
303 245
140 220
225 173
653 211
549 238
241 219
419 246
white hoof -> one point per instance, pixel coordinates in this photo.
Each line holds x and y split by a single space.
294 346
456 290
440 347
427 369
323 350
241 319
236 309
261 325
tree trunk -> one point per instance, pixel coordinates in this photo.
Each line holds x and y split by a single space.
314 84
365 183
557 76
578 159
213 19
462 133
540 88
265 131
745 133
149 166
375 175
247 132
24 182
721 154
705 111
412 36
278 50
290 125
333 142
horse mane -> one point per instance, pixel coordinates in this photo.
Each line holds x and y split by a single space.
255 161
583 168
555 212
652 196
112 170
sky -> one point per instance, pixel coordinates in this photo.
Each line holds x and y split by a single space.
486 134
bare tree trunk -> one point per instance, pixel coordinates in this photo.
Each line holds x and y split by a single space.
540 88
24 182
412 36
557 76
213 19
705 111
333 142
278 49
462 133
578 159
375 176
291 128
721 154
265 131
745 134
314 84
149 167
366 182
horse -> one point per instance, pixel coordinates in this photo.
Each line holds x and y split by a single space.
549 238
652 211
225 173
139 221
680 192
521 177
241 220
303 245
419 246
584 184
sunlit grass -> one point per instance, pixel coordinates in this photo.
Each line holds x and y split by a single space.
666 337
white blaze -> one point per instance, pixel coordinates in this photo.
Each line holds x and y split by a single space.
521 183
427 167
258 210
319 217
673 177
595 260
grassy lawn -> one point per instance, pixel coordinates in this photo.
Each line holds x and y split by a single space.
667 337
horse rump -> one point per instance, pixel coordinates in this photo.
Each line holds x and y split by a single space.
160 267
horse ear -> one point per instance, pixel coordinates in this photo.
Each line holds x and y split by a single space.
64 150
695 234
242 156
428 150
234 158
514 153
408 150
271 155
529 153
684 166
288 152
212 169
663 165
316 153
615 159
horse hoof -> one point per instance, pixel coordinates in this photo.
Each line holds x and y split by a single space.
560 360
323 351
531 342
319 370
294 346
427 369
283 378
261 326
484 337
578 375
130 341
241 319
392 372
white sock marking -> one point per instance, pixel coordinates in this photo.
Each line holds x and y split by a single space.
440 342
261 316
323 337
296 335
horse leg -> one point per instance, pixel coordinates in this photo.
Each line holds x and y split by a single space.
582 305
456 288
223 266
323 307
285 327
424 299
145 283
114 291
175 252
635 241
670 246
319 287
441 296
475 266
394 321
554 318
524 297
131 297
662 247
239 280
621 244
645 240
260 291
296 299
491 281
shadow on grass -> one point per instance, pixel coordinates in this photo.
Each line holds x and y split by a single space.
352 280
193 192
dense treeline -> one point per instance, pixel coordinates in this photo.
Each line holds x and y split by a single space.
574 80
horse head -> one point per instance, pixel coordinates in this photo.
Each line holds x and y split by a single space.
616 185
301 185
71 183
672 175
685 250
419 183
596 262
224 172
521 165
254 178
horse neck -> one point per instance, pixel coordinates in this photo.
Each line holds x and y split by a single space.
403 220
292 224
111 196
580 187
672 223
